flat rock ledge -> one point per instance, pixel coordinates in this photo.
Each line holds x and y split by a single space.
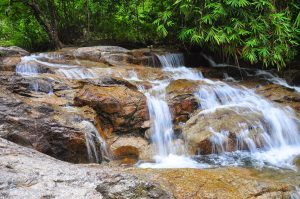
26 173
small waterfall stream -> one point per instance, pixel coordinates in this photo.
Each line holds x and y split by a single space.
31 67
280 142
92 138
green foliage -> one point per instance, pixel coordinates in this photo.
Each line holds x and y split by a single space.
257 31
264 32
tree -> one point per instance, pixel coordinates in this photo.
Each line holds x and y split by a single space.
46 15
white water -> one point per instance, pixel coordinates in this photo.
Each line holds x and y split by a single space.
31 66
170 152
279 142
275 79
258 73
92 137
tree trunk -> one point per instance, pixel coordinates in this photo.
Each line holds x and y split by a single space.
50 26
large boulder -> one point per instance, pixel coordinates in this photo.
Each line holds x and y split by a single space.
224 129
119 108
25 173
12 51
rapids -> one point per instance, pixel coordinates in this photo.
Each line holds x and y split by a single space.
278 145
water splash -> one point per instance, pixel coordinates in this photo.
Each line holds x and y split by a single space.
281 133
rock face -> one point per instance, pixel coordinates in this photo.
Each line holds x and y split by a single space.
12 51
25 173
292 77
36 120
119 108
223 130
280 94
181 99
10 57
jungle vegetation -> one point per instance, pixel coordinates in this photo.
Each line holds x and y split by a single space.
265 32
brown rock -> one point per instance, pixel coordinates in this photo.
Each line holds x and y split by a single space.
118 107
181 99
220 183
134 148
36 120
280 94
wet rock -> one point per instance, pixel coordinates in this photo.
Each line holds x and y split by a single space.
221 183
130 148
181 99
280 94
9 63
10 57
12 51
292 77
118 107
25 173
37 120
224 129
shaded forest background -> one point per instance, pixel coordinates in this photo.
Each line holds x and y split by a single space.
262 32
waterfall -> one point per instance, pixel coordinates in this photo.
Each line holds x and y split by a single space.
280 128
171 60
27 66
275 79
170 153
283 125
92 137
32 66
279 142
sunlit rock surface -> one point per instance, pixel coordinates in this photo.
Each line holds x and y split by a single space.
25 173
122 109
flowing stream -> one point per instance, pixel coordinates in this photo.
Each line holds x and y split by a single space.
276 146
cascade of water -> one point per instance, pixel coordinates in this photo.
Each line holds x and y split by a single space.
27 66
283 127
168 150
162 125
281 133
171 60
92 137
275 79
